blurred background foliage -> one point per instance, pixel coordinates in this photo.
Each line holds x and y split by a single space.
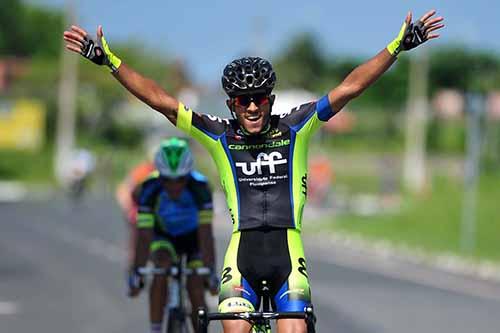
302 64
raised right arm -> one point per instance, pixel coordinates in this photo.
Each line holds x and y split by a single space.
143 88
148 91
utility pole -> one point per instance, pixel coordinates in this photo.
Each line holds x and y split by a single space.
475 107
414 173
65 130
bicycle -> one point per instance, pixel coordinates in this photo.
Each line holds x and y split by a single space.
175 310
260 320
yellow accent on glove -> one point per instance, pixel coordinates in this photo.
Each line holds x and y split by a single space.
394 47
113 61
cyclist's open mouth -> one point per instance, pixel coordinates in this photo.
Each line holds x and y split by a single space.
253 118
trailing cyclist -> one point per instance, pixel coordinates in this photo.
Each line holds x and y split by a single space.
126 196
262 162
174 218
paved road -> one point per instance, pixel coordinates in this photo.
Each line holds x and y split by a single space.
62 269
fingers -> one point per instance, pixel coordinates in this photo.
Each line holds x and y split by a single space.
433 21
435 27
73 42
73 48
408 18
79 30
431 24
99 32
427 15
432 36
73 38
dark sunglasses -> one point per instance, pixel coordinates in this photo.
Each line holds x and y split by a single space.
173 179
246 100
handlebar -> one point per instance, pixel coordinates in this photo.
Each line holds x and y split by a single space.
174 271
256 315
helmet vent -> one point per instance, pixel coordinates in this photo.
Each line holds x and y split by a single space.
247 75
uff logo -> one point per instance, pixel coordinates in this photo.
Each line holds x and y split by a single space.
263 160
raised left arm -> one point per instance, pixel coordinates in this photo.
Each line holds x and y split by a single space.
410 36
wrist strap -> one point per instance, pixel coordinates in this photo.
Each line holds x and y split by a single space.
113 61
394 47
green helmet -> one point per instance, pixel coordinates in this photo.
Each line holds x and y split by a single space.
174 159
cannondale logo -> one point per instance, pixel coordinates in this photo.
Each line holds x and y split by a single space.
263 159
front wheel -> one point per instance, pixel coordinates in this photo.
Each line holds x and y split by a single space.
177 322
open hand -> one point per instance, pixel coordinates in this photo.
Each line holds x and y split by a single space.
96 50
421 30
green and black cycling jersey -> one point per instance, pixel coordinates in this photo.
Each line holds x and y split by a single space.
264 176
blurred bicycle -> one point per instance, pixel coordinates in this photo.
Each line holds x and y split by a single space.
177 311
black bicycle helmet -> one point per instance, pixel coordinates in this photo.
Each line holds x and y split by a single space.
248 75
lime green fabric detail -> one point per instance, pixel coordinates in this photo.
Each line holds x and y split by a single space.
153 174
184 116
394 47
196 263
299 171
231 277
298 279
163 245
145 220
205 216
114 61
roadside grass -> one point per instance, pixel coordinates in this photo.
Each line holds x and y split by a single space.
31 167
113 164
432 221
36 168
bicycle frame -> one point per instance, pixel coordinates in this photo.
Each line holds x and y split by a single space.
175 306
260 320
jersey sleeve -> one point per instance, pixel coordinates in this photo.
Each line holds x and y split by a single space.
147 194
307 118
206 129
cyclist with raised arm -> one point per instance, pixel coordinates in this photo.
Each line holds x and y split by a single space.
262 162
174 218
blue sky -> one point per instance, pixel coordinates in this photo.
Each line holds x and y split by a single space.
209 34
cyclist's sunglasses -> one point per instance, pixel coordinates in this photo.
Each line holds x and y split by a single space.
246 100
172 180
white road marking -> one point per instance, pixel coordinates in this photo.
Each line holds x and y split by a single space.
9 308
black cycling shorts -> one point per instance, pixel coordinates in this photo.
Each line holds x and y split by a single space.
271 256
183 244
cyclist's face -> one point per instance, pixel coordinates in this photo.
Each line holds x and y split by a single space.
174 186
252 111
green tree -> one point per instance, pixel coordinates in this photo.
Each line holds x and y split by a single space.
464 69
301 65
28 31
